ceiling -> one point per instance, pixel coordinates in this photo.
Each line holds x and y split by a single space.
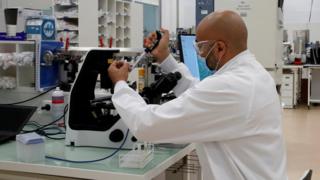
298 11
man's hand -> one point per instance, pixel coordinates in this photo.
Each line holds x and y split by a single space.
118 71
162 51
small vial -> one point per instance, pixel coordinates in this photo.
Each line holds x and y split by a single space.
57 105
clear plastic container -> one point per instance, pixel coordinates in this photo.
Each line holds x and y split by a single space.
30 148
138 157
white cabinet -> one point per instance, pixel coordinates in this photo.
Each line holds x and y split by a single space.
66 13
17 64
115 23
291 85
287 90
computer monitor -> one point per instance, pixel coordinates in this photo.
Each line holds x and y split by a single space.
190 58
13 118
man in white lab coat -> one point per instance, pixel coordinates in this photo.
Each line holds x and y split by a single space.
233 116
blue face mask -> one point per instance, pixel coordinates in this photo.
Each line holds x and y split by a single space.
204 70
204 59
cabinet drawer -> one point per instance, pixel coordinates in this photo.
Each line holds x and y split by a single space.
287 86
287 102
287 78
286 93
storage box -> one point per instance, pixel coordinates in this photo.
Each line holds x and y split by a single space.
42 28
30 147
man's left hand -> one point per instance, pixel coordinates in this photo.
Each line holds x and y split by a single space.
118 71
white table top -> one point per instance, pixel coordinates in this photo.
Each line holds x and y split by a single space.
107 169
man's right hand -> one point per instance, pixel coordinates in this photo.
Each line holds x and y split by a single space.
162 51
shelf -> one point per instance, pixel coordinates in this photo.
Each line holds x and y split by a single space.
67 17
17 42
67 14
66 4
23 72
67 30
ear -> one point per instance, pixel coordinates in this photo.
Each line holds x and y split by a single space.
221 46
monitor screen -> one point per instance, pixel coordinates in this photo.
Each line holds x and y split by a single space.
190 58
13 118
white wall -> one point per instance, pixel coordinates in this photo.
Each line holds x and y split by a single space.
136 25
314 30
169 14
187 13
296 17
298 11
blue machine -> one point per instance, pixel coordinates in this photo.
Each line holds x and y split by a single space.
47 68
41 28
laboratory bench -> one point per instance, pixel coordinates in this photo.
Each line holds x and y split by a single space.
11 168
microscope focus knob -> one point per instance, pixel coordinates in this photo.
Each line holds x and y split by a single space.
48 57
116 136
134 139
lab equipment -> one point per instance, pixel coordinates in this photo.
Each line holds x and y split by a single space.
300 40
164 84
16 19
313 53
41 28
11 21
56 65
140 155
47 70
190 58
13 118
30 147
92 120
149 47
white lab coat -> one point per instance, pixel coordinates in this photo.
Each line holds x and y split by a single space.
233 116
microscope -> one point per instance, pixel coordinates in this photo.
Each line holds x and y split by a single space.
92 120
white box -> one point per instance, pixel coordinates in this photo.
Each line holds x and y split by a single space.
30 147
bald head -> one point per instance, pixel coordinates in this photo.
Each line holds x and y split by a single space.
226 26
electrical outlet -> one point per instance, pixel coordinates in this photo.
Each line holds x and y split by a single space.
45 107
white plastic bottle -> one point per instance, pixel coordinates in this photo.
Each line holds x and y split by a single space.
57 105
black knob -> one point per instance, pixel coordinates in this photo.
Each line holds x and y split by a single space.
134 139
116 136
